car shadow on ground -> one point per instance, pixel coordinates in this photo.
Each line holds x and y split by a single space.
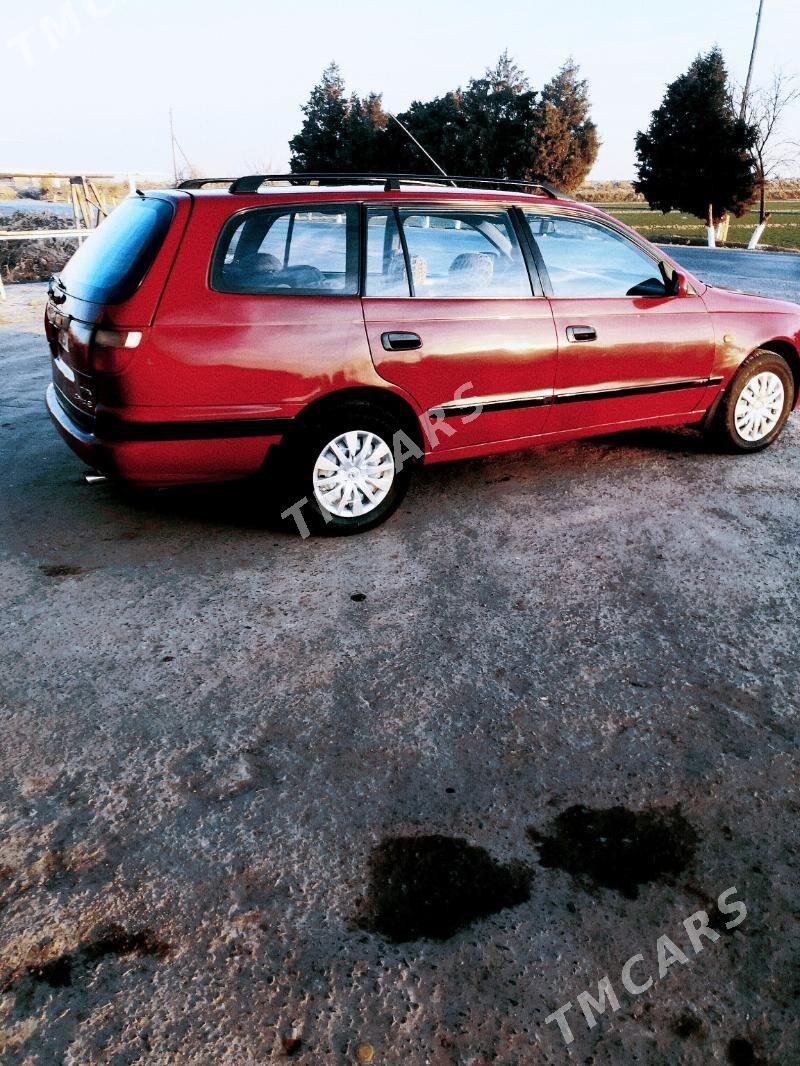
682 439
244 505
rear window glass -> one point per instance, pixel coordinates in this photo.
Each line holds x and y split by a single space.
111 264
288 251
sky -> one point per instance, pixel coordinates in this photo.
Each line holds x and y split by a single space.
88 84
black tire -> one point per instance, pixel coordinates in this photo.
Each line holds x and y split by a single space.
723 426
300 456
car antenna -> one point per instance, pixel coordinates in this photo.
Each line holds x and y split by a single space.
424 151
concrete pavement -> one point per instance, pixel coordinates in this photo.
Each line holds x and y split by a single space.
214 734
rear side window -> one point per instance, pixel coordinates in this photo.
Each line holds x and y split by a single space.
111 264
289 251
464 254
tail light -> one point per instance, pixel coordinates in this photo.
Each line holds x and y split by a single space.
112 349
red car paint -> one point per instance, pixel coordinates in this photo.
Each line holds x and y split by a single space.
218 377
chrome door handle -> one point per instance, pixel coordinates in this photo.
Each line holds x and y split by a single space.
581 334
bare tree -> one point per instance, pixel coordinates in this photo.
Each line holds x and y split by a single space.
765 109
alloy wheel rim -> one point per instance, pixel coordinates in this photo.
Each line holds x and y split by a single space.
353 474
759 407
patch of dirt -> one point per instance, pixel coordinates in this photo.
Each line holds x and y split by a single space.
618 848
432 886
60 570
211 774
60 971
34 260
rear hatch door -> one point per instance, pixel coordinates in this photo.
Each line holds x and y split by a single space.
114 281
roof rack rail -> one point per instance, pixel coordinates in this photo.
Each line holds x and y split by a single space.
198 183
391 182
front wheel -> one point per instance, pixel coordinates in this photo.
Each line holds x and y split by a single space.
757 404
348 471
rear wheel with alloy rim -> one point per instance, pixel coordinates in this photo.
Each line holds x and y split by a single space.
349 470
758 402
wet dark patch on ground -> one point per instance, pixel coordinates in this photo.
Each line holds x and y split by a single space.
618 848
61 970
60 570
742 1053
687 1026
432 886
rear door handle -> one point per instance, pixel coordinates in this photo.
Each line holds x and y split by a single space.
401 342
581 334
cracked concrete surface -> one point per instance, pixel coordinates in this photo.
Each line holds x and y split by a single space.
205 737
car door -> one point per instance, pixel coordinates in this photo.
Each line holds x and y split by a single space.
452 318
629 349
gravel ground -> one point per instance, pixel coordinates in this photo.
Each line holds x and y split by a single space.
217 739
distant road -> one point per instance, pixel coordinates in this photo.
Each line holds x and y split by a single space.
766 273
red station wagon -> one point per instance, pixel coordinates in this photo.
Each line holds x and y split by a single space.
321 334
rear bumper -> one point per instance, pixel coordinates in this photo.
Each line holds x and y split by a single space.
173 453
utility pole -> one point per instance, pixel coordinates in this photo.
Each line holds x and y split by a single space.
172 147
746 92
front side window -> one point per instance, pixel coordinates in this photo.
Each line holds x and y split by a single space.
584 259
289 251
456 253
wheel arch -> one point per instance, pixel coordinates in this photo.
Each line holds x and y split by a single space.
778 347
385 399
788 351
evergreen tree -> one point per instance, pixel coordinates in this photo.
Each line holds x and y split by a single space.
697 152
565 143
339 131
499 114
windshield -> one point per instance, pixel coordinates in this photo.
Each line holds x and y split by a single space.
111 264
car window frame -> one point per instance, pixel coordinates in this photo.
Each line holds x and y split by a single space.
232 222
429 206
387 208
636 240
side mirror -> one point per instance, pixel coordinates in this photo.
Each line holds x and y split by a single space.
680 284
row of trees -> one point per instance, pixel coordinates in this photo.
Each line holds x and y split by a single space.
498 126
705 151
